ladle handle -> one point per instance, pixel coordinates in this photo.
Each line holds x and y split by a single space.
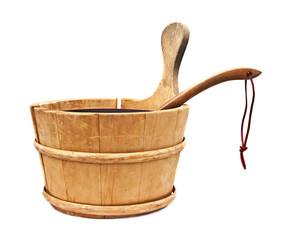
233 74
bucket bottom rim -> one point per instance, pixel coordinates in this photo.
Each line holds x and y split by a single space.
97 211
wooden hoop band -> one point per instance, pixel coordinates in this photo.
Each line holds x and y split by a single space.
110 158
96 211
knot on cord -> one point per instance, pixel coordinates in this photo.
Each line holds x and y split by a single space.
243 149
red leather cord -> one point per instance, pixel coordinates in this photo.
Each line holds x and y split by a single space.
243 148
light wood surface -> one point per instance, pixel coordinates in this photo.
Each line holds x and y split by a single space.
96 211
107 159
107 132
174 40
233 74
110 158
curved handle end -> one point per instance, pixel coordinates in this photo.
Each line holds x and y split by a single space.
254 72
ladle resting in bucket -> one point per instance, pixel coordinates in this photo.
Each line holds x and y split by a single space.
184 96
102 162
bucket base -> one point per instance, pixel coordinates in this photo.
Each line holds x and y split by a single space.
96 211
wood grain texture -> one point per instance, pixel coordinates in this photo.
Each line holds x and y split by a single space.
53 129
110 159
37 140
174 40
164 172
82 182
110 179
55 177
121 133
233 74
78 132
110 133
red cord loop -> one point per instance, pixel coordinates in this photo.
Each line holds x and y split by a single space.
243 148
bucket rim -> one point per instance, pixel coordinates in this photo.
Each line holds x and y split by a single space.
47 106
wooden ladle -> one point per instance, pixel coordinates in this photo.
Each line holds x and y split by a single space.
181 98
233 74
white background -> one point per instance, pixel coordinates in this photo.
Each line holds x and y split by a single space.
81 49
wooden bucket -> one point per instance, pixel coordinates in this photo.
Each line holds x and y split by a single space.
107 165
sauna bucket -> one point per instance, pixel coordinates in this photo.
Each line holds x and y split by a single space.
107 165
